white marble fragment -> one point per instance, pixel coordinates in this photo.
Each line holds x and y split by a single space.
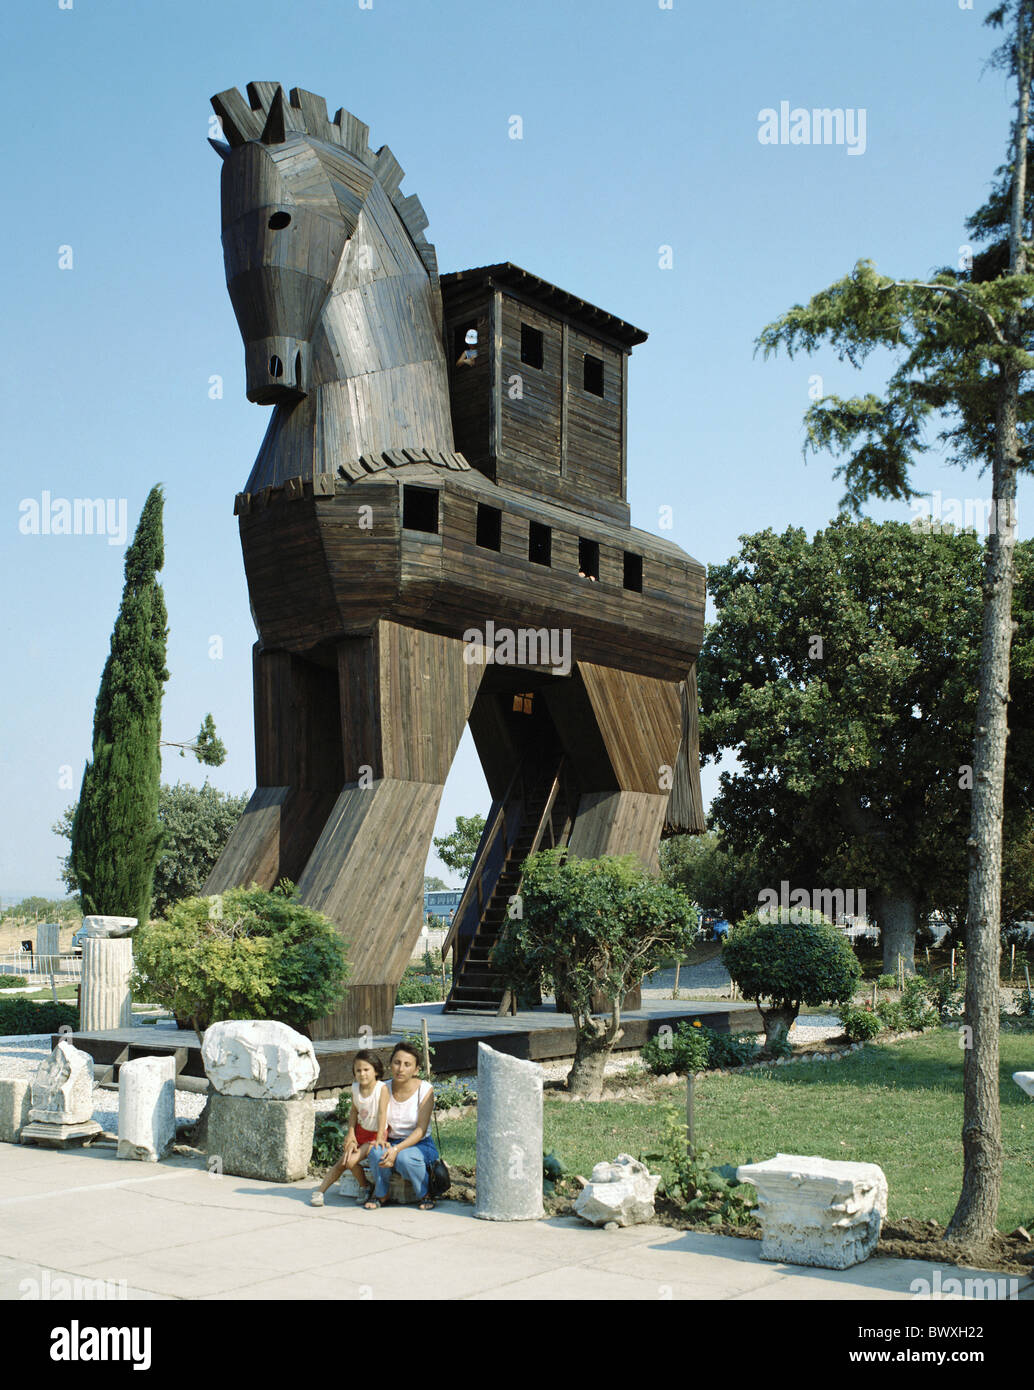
621 1192
258 1058
146 1107
817 1211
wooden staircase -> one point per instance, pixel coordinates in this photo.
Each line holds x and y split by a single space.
535 813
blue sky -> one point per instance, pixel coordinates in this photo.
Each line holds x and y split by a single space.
640 131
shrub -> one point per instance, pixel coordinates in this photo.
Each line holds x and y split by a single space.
892 1015
12 981
450 1093
917 1007
20 1017
947 995
859 1024
789 963
887 982
1025 1006
694 1047
245 953
685 1049
711 1193
416 990
735 1049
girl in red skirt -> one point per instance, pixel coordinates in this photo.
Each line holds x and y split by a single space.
367 1124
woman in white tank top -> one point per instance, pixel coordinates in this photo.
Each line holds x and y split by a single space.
410 1150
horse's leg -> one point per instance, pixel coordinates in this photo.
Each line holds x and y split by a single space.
298 773
405 696
630 726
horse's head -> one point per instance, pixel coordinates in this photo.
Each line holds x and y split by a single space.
294 185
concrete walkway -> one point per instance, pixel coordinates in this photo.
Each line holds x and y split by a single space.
173 1231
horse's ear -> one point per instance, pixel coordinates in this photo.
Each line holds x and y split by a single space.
221 148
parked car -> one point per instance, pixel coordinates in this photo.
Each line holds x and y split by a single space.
77 942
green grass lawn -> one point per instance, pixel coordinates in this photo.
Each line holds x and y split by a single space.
898 1105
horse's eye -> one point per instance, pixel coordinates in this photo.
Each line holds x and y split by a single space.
279 220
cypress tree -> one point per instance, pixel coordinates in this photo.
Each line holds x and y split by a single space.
116 836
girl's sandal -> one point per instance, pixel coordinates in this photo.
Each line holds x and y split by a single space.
372 1204
427 1204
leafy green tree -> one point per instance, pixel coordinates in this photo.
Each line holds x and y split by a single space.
196 823
245 953
115 836
842 673
207 747
787 958
588 928
712 875
964 344
40 908
433 884
457 850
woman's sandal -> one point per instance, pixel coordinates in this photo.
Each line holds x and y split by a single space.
372 1204
427 1204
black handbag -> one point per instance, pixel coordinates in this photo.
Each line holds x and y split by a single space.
439 1180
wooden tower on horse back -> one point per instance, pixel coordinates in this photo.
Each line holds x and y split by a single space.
435 534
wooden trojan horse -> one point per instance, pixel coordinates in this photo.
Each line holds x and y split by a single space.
435 533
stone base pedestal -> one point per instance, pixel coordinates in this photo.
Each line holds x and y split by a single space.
267 1139
400 1190
817 1211
15 1101
59 1136
106 969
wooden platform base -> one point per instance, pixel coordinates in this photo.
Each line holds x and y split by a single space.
538 1035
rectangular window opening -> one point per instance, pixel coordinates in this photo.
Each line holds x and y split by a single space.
633 572
588 559
540 544
531 346
522 703
489 527
592 374
420 509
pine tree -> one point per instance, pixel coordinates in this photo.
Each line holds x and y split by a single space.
116 837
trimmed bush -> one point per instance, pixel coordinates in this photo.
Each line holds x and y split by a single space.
19 1017
245 953
12 981
781 964
683 1049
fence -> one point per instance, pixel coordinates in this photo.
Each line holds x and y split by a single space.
36 969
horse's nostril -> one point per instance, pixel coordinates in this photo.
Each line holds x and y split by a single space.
276 367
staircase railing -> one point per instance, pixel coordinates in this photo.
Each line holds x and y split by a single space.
474 893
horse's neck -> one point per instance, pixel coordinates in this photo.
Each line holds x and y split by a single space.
380 383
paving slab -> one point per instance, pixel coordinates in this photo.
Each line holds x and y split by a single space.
176 1231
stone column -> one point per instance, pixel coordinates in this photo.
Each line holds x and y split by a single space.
105 999
48 946
146 1107
509 1138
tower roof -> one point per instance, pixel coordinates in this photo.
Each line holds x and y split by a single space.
509 276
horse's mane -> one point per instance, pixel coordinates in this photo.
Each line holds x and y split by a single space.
267 117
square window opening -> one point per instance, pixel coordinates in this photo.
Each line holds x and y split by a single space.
531 346
540 544
633 572
522 703
592 374
489 527
420 509
588 559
